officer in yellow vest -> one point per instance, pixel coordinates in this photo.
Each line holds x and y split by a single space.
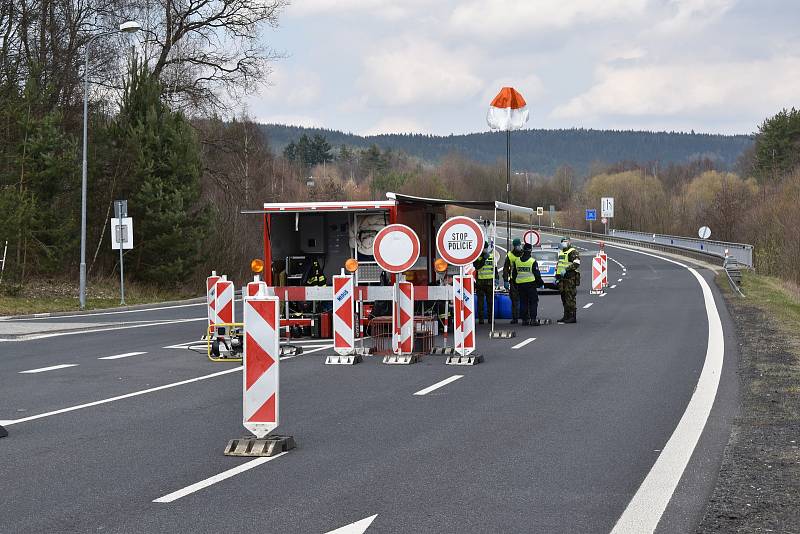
513 292
484 287
568 275
527 277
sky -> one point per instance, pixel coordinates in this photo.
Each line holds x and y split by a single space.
433 66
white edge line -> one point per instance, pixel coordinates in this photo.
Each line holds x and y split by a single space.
645 509
51 368
77 316
118 356
523 343
197 486
125 396
357 527
101 329
437 385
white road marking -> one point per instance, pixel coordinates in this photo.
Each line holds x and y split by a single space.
618 263
603 295
104 329
588 305
184 345
51 368
523 343
624 273
437 385
197 486
118 356
77 316
651 499
620 280
125 396
359 527
323 347
614 286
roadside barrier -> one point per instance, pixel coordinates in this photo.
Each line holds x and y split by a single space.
256 287
402 325
223 307
463 322
597 275
604 269
211 298
344 316
261 381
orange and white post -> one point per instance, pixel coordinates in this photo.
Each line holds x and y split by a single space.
260 399
403 318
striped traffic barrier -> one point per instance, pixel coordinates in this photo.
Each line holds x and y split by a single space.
604 266
223 308
261 380
211 299
402 325
463 322
343 322
256 287
597 276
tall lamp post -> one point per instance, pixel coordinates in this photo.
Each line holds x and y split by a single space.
125 27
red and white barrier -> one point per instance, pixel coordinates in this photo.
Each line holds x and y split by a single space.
223 308
256 287
604 266
363 293
464 314
403 318
597 275
211 298
260 400
343 314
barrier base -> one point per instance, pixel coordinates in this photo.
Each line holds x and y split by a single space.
339 359
400 359
3 432
443 350
593 292
268 446
457 359
502 334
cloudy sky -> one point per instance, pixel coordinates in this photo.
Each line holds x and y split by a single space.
433 66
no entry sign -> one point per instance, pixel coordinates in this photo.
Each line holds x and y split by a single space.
460 241
532 237
396 248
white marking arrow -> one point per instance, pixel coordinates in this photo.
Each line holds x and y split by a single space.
359 527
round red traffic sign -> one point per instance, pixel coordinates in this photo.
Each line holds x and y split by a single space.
532 237
460 241
396 248
604 220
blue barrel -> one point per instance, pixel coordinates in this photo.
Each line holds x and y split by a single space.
502 306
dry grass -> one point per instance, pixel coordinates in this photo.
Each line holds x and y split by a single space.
56 295
780 299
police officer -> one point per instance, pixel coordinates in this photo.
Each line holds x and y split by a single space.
513 292
485 268
568 275
526 276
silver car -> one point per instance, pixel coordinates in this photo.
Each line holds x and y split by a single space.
547 258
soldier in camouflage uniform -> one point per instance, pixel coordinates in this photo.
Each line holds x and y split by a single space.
568 275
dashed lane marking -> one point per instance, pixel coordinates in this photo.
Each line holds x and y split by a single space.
614 286
588 305
603 295
437 385
523 343
120 397
359 527
197 486
620 280
51 368
118 356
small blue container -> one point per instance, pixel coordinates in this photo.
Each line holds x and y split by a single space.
502 306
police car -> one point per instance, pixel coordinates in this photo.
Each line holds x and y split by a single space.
547 257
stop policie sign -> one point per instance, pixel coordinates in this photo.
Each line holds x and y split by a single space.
459 241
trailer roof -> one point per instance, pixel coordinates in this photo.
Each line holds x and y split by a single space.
472 204
298 207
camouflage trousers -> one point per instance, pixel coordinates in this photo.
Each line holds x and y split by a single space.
569 291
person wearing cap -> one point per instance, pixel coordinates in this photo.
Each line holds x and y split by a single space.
568 276
525 273
512 256
484 287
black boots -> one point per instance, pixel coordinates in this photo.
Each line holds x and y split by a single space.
568 320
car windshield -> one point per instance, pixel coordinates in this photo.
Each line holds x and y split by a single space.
545 255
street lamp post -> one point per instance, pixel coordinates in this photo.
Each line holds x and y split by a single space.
125 27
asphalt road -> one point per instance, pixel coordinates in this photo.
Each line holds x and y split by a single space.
554 436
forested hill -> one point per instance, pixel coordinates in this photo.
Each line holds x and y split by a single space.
542 151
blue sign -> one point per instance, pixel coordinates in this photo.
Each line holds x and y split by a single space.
591 215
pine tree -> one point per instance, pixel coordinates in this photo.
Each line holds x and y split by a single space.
164 177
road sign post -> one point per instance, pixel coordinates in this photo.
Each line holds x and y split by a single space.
539 213
459 242
532 238
606 210
591 215
122 239
396 249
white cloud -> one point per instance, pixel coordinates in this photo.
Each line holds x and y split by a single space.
395 125
292 87
290 120
387 9
504 18
693 13
418 71
697 90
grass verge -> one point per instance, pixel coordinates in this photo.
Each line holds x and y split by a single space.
53 295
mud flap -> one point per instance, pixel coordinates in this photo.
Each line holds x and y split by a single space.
251 446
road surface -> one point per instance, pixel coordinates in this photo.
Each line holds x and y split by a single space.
555 432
